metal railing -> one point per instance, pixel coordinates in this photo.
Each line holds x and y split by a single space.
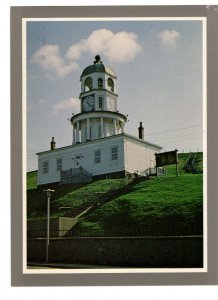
75 176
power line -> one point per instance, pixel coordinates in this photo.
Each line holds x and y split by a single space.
32 152
31 156
173 130
182 137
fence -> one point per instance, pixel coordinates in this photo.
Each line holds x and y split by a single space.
119 232
153 171
75 176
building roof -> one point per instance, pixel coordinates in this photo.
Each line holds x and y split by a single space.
99 67
131 137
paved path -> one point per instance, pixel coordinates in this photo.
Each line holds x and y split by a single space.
36 265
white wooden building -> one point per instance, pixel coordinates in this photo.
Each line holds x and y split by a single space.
100 147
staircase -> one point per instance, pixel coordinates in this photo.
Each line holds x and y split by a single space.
97 201
111 195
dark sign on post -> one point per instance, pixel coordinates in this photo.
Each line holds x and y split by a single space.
167 158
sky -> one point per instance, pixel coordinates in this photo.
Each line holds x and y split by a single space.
159 78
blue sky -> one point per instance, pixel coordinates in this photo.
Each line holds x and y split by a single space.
159 78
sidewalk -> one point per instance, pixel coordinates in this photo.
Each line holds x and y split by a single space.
50 265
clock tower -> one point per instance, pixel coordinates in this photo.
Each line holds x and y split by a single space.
98 117
100 149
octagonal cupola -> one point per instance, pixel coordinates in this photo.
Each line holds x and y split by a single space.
98 115
98 76
98 82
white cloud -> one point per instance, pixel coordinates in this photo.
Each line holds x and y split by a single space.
72 104
169 39
119 47
75 51
49 59
99 40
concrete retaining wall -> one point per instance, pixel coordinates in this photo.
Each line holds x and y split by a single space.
58 226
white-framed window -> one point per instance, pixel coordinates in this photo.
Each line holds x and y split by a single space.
59 164
97 156
45 166
100 102
114 153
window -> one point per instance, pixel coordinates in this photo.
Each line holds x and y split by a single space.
110 84
45 167
100 102
59 164
88 84
100 83
114 153
97 157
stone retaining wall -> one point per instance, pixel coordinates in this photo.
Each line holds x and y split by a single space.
156 252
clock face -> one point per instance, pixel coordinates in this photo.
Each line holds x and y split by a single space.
88 103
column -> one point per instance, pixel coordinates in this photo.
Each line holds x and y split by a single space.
77 132
122 127
115 126
102 127
88 129
74 135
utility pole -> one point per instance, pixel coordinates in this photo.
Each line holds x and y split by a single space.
48 193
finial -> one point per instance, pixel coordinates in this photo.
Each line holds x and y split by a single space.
97 59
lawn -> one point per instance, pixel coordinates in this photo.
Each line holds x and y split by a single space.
31 180
156 206
165 202
74 197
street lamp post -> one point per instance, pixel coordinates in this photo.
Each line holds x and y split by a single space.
48 193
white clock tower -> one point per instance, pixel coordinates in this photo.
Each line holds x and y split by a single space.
100 149
99 116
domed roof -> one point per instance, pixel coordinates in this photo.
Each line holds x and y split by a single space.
98 66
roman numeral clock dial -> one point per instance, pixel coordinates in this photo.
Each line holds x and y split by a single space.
88 103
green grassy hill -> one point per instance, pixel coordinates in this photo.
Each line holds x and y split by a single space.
32 180
157 203
75 197
154 206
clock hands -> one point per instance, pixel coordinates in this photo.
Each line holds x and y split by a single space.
88 103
